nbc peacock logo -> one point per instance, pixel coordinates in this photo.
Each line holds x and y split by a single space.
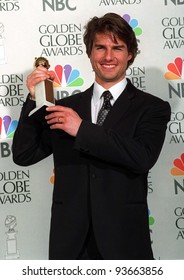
7 127
176 69
52 177
150 218
178 168
66 76
133 23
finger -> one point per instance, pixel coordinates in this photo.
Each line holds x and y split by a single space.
56 117
56 120
35 78
51 75
52 108
52 116
57 126
41 68
58 108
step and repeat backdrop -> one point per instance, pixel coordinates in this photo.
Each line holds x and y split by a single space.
54 29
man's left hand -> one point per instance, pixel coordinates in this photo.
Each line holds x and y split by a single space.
64 118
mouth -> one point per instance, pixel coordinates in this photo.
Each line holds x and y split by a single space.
108 66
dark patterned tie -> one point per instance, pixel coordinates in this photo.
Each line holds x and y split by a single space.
105 107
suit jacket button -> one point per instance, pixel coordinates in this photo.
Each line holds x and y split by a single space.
84 150
93 176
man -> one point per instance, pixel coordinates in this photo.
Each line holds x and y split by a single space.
99 206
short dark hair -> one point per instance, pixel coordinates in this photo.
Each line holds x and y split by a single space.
117 26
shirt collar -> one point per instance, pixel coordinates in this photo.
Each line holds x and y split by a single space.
115 90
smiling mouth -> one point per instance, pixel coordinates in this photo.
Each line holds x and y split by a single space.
108 66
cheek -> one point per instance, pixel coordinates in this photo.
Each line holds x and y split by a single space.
95 56
91 59
94 61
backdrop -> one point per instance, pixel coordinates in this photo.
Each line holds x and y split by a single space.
54 29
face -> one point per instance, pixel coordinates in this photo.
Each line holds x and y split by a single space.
109 59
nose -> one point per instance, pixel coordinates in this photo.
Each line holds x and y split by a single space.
108 54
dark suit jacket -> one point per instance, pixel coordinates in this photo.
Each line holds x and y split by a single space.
101 175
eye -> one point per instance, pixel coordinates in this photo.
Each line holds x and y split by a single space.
98 48
119 48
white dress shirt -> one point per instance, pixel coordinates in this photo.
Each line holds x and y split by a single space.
97 101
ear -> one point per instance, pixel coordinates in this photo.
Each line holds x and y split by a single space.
130 56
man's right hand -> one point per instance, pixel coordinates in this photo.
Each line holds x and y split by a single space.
38 75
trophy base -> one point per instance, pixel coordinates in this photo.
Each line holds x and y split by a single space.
39 113
44 97
13 256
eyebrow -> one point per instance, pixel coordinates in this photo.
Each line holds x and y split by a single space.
114 46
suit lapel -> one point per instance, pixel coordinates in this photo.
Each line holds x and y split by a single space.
121 106
84 106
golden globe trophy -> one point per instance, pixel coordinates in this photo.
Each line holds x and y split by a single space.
44 92
11 241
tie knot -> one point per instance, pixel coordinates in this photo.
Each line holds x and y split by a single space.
107 95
